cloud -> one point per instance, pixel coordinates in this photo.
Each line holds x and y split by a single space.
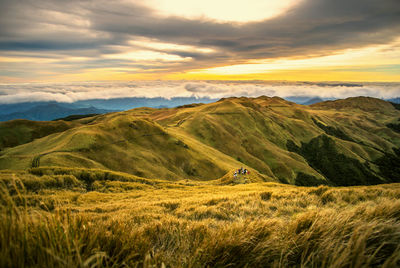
99 29
71 92
206 88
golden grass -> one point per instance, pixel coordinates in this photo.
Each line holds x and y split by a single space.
194 224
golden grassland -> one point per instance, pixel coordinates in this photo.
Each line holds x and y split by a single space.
85 218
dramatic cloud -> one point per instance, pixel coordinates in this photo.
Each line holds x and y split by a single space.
71 92
43 40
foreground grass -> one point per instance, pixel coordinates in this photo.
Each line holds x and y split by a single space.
121 222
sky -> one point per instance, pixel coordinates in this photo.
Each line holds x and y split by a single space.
128 40
66 51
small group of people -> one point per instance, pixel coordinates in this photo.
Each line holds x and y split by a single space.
242 171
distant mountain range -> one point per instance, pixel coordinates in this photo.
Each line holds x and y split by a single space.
313 101
45 111
306 100
50 111
123 104
395 100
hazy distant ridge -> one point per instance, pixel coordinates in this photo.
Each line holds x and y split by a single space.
43 111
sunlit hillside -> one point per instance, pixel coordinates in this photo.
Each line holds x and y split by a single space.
55 217
343 142
16 132
161 188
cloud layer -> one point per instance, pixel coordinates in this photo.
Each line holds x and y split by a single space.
71 92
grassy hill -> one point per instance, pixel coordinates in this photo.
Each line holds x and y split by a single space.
17 132
69 217
155 187
343 142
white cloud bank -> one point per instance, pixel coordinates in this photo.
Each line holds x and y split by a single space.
71 92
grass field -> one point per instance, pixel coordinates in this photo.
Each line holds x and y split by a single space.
58 217
155 187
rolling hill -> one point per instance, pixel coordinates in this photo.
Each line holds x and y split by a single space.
342 142
16 132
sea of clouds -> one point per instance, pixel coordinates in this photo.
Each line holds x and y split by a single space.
71 92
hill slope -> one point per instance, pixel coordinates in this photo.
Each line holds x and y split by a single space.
16 132
116 219
343 142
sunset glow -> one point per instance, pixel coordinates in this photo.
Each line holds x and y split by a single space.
223 10
203 40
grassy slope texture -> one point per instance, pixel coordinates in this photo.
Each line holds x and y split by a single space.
341 143
65 217
155 188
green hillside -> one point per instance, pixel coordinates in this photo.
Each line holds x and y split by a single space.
344 142
16 132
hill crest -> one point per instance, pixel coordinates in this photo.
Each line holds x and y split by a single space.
272 136
368 104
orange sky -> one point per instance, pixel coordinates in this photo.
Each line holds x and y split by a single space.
297 40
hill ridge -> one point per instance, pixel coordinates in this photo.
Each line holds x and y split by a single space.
204 142
360 102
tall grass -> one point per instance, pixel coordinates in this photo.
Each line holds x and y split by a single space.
254 225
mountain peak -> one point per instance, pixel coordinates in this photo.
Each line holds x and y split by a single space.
368 104
313 101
